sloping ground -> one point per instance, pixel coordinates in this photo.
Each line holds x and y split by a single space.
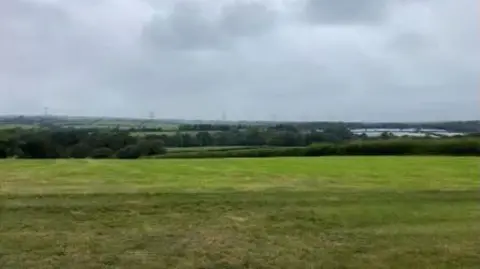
397 212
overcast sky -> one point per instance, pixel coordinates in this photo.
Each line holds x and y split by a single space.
352 60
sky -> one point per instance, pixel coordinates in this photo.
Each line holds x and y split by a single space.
307 60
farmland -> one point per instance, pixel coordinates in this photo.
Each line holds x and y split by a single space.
330 212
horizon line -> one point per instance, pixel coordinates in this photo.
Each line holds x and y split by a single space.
220 120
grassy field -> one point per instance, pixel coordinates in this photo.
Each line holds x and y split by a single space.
99 123
210 148
339 212
167 132
13 126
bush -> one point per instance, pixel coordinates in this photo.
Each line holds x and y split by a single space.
151 147
405 146
322 150
102 153
454 147
129 152
81 150
384 147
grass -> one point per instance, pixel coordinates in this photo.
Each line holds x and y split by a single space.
209 148
13 126
339 212
141 134
166 132
99 123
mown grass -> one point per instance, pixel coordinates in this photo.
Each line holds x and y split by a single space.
337 212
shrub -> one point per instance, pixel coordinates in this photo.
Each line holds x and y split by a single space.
129 152
404 146
81 150
151 147
102 153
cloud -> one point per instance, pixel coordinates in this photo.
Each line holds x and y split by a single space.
247 18
346 11
400 60
192 26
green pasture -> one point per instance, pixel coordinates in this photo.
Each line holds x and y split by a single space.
208 148
330 212
13 126
99 123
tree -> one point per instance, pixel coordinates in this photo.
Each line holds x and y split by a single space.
254 137
386 135
129 152
80 150
102 153
38 146
151 147
204 138
338 132
286 139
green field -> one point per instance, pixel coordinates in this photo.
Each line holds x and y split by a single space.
335 212
166 132
99 123
13 126
210 148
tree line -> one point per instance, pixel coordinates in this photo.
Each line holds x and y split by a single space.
455 126
391 147
472 126
103 143
115 143
279 135
76 143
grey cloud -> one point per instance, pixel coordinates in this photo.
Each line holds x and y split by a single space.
245 19
191 27
418 61
411 43
346 11
185 28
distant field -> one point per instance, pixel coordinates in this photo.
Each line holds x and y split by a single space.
339 212
122 124
211 148
167 132
141 134
11 126
99 123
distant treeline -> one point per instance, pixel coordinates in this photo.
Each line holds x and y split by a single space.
211 127
451 126
103 143
140 124
74 143
395 147
106 143
279 135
